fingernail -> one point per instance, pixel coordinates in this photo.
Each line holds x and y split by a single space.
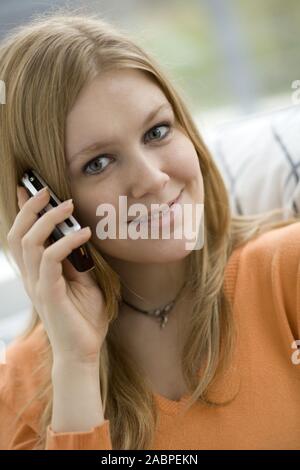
66 203
42 192
85 230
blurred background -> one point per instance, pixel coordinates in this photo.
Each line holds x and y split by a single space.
229 59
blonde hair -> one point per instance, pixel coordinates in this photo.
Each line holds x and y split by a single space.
45 64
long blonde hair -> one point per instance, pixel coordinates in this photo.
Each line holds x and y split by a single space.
45 64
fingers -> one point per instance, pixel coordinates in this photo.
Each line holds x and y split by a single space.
51 263
34 240
22 196
29 234
26 217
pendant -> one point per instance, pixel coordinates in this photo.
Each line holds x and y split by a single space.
164 314
163 320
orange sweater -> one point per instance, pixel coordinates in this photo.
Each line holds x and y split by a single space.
262 280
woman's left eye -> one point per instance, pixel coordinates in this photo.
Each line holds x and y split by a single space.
86 168
163 124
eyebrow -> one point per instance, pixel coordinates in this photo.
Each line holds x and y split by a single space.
97 145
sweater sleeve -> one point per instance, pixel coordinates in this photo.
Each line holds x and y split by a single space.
98 438
19 427
16 434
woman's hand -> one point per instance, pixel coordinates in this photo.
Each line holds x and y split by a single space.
70 304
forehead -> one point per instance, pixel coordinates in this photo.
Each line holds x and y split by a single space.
111 105
117 91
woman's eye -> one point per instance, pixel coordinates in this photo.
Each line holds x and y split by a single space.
94 166
164 124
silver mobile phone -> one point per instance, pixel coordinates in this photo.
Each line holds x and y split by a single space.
80 257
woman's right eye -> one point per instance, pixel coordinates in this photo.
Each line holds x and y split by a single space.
95 169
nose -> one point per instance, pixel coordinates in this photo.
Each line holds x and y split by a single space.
146 176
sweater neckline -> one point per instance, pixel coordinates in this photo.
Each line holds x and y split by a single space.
171 406
175 406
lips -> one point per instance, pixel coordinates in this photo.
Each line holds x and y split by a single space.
175 200
155 213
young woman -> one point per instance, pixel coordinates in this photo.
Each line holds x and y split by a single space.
96 116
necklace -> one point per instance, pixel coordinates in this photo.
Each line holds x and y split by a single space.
160 313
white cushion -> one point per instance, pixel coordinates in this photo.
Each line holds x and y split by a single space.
259 159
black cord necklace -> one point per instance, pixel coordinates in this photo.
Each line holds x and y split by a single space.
160 313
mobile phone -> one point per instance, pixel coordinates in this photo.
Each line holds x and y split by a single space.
80 257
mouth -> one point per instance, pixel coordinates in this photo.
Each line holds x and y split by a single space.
157 213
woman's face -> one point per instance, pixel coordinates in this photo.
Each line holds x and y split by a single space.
149 161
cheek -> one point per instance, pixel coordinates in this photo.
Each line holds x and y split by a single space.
183 159
85 205
187 168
